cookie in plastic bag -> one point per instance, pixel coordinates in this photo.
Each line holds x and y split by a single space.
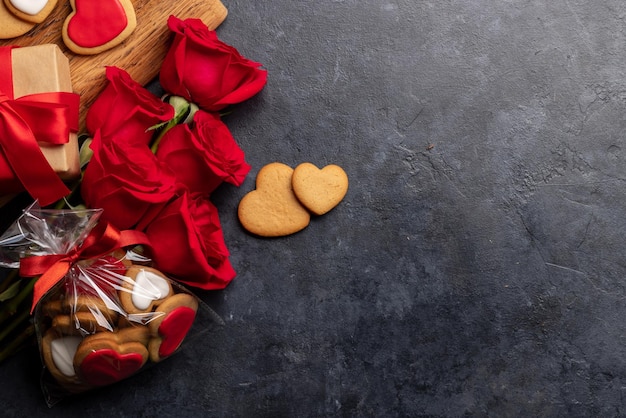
101 312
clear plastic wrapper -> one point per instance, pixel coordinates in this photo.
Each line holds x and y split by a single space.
45 231
109 316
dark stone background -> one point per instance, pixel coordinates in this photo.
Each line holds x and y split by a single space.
475 267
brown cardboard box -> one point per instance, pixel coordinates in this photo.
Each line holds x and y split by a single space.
41 69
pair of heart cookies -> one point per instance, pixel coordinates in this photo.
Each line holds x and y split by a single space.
92 26
285 198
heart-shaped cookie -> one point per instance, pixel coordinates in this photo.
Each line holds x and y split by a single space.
62 352
145 288
31 7
272 210
108 357
319 190
12 26
169 328
109 365
96 26
58 354
34 11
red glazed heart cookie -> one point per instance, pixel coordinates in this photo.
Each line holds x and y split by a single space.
144 290
108 357
34 11
96 26
319 190
169 328
272 210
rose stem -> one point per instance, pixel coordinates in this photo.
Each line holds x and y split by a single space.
16 344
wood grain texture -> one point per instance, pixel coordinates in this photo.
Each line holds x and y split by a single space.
140 54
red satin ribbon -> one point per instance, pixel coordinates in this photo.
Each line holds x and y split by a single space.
102 240
44 117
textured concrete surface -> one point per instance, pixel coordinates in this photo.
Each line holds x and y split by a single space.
476 266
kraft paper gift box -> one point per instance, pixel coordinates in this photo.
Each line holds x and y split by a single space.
40 69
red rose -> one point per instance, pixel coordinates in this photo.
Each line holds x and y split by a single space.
127 181
206 71
124 110
204 155
123 176
188 243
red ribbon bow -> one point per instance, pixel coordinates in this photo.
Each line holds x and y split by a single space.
43 117
102 240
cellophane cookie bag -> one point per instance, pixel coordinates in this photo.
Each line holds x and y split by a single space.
101 312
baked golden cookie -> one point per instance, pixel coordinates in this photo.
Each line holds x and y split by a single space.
52 308
144 290
79 315
92 304
319 190
12 26
272 210
58 352
173 320
96 26
108 357
81 323
34 11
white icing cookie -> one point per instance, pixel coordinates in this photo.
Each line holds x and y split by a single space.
143 289
33 11
63 350
148 288
31 7
12 26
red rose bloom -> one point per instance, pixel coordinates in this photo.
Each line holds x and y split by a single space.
206 71
127 182
123 176
204 155
188 243
125 111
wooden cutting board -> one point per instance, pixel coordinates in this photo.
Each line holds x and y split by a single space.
141 54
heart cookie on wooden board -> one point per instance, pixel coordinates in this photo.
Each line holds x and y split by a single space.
12 26
272 210
319 190
148 44
96 26
34 11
